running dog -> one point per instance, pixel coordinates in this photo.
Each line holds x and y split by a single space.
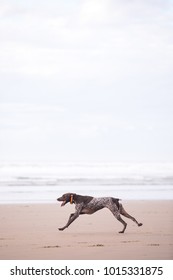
89 205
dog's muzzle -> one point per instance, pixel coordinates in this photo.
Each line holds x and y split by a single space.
63 201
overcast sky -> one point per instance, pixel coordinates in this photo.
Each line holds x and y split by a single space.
86 80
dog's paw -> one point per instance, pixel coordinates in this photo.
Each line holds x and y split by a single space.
61 229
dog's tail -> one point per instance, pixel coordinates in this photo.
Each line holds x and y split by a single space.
116 201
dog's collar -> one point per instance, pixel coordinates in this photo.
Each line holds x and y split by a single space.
71 199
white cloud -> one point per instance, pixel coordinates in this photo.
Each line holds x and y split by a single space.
113 38
24 119
97 69
94 12
26 108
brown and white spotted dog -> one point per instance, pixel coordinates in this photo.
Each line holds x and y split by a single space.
89 205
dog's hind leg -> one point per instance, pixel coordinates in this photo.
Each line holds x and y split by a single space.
121 221
116 214
125 214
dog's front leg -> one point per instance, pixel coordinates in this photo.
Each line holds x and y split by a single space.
73 216
71 219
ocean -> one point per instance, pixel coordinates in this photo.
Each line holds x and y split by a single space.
44 182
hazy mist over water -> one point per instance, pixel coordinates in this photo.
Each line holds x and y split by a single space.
40 182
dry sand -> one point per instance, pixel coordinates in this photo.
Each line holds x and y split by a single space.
31 232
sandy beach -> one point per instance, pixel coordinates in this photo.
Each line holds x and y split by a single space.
31 232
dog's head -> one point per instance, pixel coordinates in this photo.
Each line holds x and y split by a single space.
67 197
